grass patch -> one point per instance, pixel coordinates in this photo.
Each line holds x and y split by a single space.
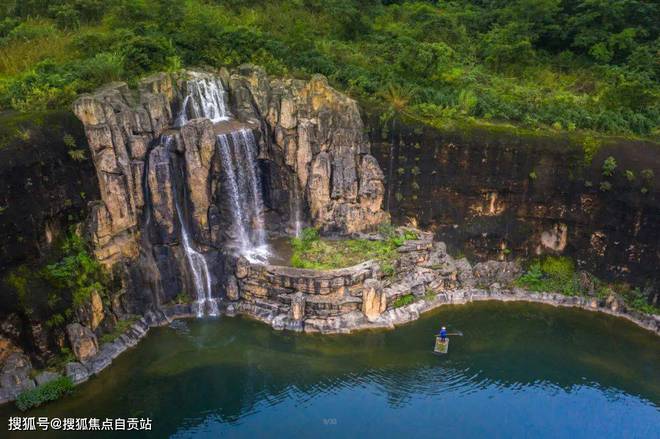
558 274
310 251
121 327
403 301
430 295
49 391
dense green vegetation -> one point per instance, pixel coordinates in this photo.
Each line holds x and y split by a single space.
54 290
310 251
558 64
558 274
404 300
50 391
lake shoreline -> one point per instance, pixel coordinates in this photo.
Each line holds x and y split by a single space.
350 323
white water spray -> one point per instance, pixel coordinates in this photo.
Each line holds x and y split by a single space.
201 276
238 152
206 98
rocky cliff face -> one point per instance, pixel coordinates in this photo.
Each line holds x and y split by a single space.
498 195
317 133
43 190
162 173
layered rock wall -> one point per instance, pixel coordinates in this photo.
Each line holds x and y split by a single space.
152 160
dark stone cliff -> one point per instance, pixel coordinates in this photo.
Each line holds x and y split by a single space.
497 195
43 190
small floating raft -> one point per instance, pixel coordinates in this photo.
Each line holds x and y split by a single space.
440 346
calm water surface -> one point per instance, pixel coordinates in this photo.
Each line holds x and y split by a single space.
520 370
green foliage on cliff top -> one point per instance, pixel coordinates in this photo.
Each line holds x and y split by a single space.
561 64
50 391
310 251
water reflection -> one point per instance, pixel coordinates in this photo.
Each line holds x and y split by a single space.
517 368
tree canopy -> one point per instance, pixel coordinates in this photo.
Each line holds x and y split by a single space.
560 64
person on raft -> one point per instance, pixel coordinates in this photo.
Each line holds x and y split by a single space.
443 334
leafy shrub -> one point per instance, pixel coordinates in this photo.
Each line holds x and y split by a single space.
66 16
638 299
403 301
552 273
609 165
146 54
103 67
77 271
49 391
31 30
533 278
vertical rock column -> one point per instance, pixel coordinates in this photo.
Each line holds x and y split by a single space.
297 312
374 301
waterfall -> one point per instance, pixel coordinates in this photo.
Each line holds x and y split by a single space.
196 261
295 208
205 98
232 189
238 152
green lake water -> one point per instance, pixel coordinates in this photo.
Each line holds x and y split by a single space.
520 370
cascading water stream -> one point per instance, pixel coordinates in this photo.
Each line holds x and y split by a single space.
238 154
205 98
232 191
295 208
249 149
198 266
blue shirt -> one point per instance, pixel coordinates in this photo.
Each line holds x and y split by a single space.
443 333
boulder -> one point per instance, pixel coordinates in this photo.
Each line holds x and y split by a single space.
7 347
91 312
464 273
83 341
487 273
11 327
15 376
242 268
45 377
77 372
